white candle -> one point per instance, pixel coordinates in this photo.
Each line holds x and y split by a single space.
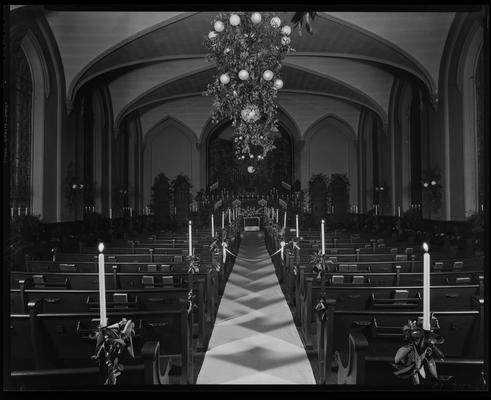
223 220
322 238
399 211
102 287
110 213
190 238
426 288
229 217
131 212
26 211
284 221
296 226
175 213
212 225
18 211
277 214
376 209
12 212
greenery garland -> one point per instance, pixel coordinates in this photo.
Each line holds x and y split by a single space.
247 49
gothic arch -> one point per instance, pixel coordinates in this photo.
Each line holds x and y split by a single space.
187 156
40 82
467 78
348 137
285 121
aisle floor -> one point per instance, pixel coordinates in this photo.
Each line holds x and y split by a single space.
254 340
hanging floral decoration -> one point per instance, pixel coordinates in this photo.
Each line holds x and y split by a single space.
247 49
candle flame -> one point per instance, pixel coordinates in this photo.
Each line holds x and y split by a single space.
425 246
101 247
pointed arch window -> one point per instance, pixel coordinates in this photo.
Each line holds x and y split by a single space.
20 138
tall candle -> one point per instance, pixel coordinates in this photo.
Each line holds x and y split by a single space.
212 225
131 212
102 287
175 211
18 211
190 238
110 213
426 288
229 217
26 211
296 226
284 221
322 238
223 220
12 212
277 214
399 211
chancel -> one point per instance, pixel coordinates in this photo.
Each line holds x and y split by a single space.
199 198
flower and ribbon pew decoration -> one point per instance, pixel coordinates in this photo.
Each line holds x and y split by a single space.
248 49
111 343
416 359
321 265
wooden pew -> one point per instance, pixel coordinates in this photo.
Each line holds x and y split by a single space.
349 297
60 343
122 281
398 278
371 352
79 301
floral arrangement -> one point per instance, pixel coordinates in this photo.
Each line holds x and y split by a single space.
247 49
111 342
416 359
320 263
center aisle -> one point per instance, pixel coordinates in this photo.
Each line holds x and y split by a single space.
254 340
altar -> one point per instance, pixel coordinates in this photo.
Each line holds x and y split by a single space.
252 224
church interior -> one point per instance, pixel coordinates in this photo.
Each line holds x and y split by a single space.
246 197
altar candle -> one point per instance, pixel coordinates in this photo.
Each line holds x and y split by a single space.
110 213
322 238
296 226
26 211
190 238
12 212
223 220
277 214
18 211
102 287
426 288
399 211
229 217
212 225
131 212
284 221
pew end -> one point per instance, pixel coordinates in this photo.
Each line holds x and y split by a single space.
354 371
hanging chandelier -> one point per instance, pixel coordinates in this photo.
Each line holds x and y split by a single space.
247 49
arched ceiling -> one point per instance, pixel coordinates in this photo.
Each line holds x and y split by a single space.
154 58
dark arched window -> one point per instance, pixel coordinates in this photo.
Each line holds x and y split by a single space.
20 132
480 115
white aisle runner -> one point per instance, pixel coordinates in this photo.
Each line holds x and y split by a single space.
254 340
